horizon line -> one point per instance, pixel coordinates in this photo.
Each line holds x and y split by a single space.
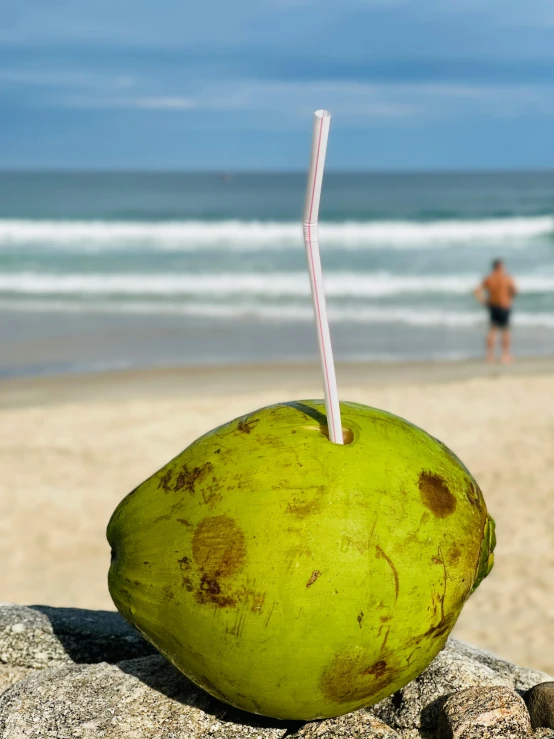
223 172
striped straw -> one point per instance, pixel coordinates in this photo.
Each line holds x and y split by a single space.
311 214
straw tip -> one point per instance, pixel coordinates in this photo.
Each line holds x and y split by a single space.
322 114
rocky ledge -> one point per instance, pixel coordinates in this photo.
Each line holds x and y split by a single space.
68 674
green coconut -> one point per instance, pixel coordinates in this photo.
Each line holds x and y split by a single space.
296 578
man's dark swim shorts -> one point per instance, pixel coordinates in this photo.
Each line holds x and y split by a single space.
500 317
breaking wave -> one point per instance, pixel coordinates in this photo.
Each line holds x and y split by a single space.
285 284
238 235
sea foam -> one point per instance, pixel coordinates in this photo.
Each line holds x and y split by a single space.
275 284
252 235
249 310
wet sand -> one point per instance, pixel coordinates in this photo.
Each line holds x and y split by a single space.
72 447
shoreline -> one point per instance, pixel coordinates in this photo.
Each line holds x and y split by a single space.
239 379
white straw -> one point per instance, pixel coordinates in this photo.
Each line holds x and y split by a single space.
311 214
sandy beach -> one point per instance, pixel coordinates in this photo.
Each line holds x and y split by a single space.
72 447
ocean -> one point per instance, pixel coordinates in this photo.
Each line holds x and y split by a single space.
114 270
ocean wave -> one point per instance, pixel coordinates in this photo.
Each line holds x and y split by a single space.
253 235
280 313
282 284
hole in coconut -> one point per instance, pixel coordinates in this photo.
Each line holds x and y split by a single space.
347 434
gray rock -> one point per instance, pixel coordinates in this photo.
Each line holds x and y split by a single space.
457 667
357 725
520 677
484 713
540 703
144 696
40 636
148 699
138 699
416 705
11 675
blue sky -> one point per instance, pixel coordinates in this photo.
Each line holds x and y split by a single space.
411 84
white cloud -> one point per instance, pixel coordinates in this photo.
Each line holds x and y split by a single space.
164 103
64 79
173 102
356 103
45 78
123 82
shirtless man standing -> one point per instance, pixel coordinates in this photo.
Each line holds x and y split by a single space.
497 292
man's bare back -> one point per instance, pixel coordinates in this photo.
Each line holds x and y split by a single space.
497 292
501 289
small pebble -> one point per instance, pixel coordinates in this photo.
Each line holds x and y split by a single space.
540 704
484 713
